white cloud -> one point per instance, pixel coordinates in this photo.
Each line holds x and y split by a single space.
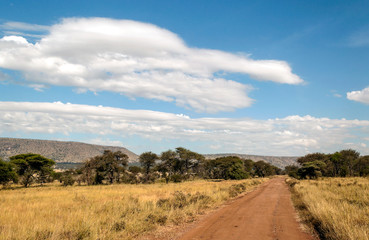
335 94
359 96
138 60
292 135
24 26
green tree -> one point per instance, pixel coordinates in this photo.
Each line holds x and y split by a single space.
88 170
361 166
67 178
147 160
168 165
235 170
109 166
249 166
114 163
292 170
264 169
311 170
349 158
339 164
7 173
32 167
135 169
226 168
189 159
312 157
181 163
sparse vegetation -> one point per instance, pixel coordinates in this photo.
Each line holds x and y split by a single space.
118 211
100 208
336 207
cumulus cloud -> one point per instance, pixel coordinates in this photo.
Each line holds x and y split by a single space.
292 135
137 60
359 96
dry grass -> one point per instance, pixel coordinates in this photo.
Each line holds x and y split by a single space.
338 208
108 212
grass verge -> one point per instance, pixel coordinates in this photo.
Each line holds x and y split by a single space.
110 211
337 208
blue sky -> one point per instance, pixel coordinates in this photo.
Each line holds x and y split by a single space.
254 77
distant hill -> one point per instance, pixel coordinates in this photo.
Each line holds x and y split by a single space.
77 152
280 162
74 152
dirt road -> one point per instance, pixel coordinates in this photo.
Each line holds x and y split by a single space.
265 213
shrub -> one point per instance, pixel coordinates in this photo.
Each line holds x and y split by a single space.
177 178
155 218
163 203
199 197
236 189
119 226
180 200
67 180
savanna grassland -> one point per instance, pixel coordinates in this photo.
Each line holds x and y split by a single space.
118 211
338 208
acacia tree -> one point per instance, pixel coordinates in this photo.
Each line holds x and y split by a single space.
263 169
7 173
189 160
180 164
31 167
312 157
168 165
107 166
88 171
114 164
361 166
230 167
291 170
339 164
344 162
349 158
311 170
147 160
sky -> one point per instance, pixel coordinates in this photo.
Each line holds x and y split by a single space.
264 77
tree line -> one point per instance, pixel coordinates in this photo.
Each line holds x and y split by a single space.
176 165
345 163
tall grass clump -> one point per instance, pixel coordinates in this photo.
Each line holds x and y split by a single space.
338 208
108 211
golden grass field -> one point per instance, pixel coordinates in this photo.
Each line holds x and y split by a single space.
109 211
338 208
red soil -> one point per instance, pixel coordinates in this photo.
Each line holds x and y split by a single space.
266 213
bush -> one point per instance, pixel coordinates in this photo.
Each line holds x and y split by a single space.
180 200
177 178
236 189
119 226
154 218
67 180
164 203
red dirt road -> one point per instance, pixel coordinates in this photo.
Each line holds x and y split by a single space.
266 213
